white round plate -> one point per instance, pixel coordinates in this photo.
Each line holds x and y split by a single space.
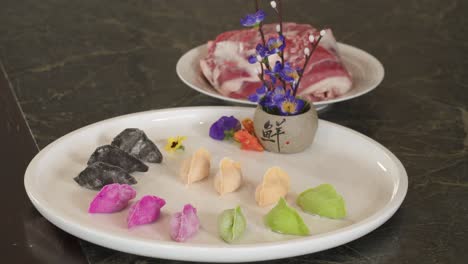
366 70
371 179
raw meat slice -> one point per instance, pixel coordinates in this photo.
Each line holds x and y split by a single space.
227 69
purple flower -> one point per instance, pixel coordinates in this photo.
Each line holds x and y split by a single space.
262 50
290 105
261 53
252 20
289 74
275 73
276 45
224 128
260 92
272 98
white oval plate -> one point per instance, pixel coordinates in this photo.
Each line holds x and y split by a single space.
366 70
371 179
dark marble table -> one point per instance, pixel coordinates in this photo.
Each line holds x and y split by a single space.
72 63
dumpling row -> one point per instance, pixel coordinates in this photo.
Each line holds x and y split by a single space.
197 167
228 179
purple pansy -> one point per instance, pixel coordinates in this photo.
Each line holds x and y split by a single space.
276 45
252 20
224 128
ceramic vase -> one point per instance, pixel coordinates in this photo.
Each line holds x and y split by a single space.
285 134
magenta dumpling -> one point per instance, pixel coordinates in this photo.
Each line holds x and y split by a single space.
184 224
145 211
112 198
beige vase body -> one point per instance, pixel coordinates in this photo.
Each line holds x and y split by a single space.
285 134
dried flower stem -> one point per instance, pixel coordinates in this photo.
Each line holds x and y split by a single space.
262 74
262 35
313 47
279 11
260 30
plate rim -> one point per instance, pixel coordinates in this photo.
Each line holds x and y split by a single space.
236 253
341 47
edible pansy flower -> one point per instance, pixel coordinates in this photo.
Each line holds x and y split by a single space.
275 73
224 128
174 143
259 94
276 45
290 105
247 140
289 74
253 20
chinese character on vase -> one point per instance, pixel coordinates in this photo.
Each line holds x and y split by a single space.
272 133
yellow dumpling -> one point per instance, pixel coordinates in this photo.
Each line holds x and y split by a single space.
229 176
275 185
196 167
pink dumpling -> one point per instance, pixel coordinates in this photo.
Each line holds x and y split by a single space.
145 211
112 198
184 224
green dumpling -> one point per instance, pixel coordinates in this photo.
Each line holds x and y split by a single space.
284 219
322 200
231 224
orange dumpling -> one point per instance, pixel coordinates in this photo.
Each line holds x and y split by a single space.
275 185
229 177
196 167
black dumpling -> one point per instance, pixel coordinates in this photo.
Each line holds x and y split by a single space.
135 142
117 157
99 174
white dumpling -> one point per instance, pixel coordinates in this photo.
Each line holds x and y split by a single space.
275 185
196 167
229 176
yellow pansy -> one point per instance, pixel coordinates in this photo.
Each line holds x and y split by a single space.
175 143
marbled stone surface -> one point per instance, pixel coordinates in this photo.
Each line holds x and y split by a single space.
76 62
